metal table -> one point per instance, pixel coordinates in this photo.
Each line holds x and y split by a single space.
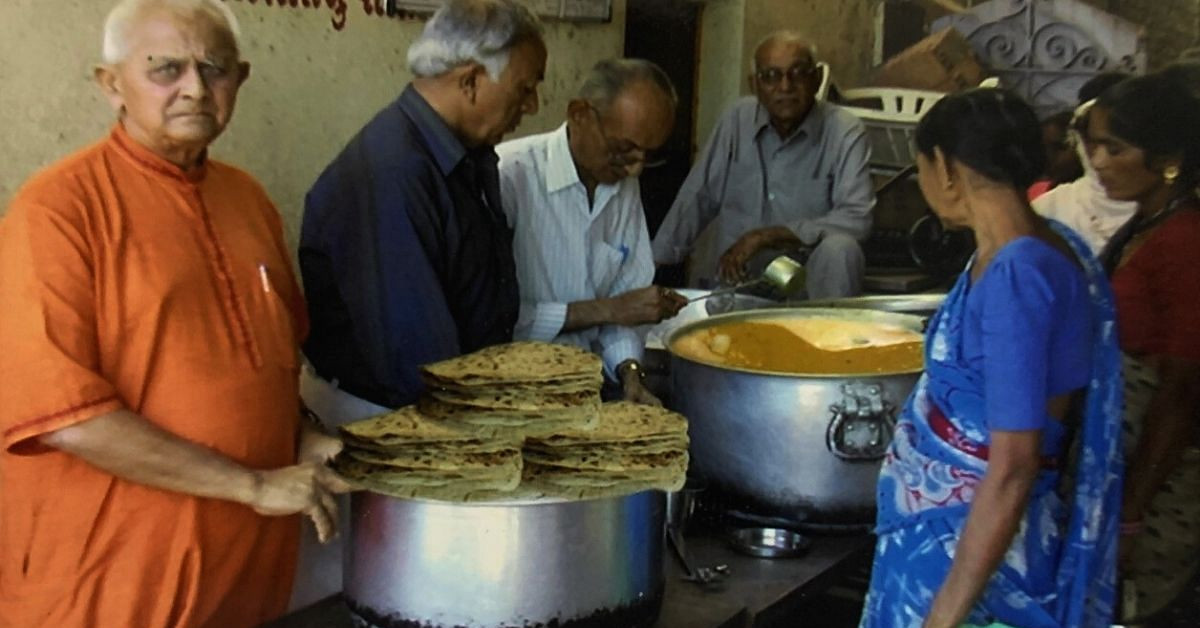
759 593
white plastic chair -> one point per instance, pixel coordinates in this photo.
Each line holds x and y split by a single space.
826 80
890 115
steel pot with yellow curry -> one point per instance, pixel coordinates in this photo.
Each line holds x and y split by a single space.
792 410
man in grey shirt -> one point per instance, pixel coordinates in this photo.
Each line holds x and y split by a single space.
781 171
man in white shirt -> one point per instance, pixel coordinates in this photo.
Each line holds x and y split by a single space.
572 198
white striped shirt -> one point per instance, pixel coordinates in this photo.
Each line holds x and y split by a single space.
568 251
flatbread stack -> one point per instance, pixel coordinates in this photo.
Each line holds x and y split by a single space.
405 454
515 390
632 448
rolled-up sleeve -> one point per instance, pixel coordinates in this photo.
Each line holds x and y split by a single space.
852 194
540 321
49 354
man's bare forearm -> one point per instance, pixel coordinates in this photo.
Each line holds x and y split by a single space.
134 449
777 237
587 314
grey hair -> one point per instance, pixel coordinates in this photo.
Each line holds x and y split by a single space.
607 78
472 31
788 36
123 17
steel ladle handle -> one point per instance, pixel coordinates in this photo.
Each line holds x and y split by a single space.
676 540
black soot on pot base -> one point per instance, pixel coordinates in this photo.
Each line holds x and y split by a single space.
640 614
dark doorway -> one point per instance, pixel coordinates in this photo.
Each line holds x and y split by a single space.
667 33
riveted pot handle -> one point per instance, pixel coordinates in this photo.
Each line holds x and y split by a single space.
862 423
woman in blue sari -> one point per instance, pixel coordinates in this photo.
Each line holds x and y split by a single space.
998 498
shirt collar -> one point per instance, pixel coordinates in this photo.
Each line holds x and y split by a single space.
151 161
812 125
447 149
560 166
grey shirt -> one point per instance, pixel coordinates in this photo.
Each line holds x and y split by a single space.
813 182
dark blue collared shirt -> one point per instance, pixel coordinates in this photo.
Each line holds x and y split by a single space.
405 254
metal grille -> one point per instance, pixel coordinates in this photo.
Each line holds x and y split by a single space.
1046 49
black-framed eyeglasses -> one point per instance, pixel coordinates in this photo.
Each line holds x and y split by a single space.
623 153
797 75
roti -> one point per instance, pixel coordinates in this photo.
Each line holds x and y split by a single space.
504 476
622 421
528 361
406 425
602 460
435 460
438 409
516 399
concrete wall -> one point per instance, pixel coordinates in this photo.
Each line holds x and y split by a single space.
1171 26
721 73
312 85
844 32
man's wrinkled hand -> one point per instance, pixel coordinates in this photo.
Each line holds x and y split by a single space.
306 488
646 305
731 268
317 447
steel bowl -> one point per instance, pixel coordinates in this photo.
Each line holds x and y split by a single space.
768 542
681 504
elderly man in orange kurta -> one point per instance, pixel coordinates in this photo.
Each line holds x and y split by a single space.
149 411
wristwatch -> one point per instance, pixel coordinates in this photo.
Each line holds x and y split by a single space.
633 366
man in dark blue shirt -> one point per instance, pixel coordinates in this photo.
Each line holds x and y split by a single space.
405 251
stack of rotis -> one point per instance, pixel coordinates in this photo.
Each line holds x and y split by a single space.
518 389
634 448
404 454
463 440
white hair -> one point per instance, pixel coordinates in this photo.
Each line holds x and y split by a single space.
123 17
472 31
605 81
785 36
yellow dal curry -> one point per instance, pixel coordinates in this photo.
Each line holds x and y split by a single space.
818 346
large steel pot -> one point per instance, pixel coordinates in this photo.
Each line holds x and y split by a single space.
805 447
427 564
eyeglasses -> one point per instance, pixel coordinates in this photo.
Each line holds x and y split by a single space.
797 75
623 153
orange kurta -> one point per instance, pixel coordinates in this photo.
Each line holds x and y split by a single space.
125 282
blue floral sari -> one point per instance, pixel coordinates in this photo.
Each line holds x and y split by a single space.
1060 569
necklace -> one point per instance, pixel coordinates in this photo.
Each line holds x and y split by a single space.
1164 212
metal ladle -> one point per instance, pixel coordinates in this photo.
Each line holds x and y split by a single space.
783 273
699 575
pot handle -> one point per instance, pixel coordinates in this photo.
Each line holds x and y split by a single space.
862 424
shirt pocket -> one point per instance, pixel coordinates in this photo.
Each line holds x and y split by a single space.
272 320
606 264
813 198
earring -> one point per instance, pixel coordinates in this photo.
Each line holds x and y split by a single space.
1170 173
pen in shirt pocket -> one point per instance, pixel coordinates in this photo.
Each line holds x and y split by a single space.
264 277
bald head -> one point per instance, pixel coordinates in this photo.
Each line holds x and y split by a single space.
124 18
788 39
786 79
